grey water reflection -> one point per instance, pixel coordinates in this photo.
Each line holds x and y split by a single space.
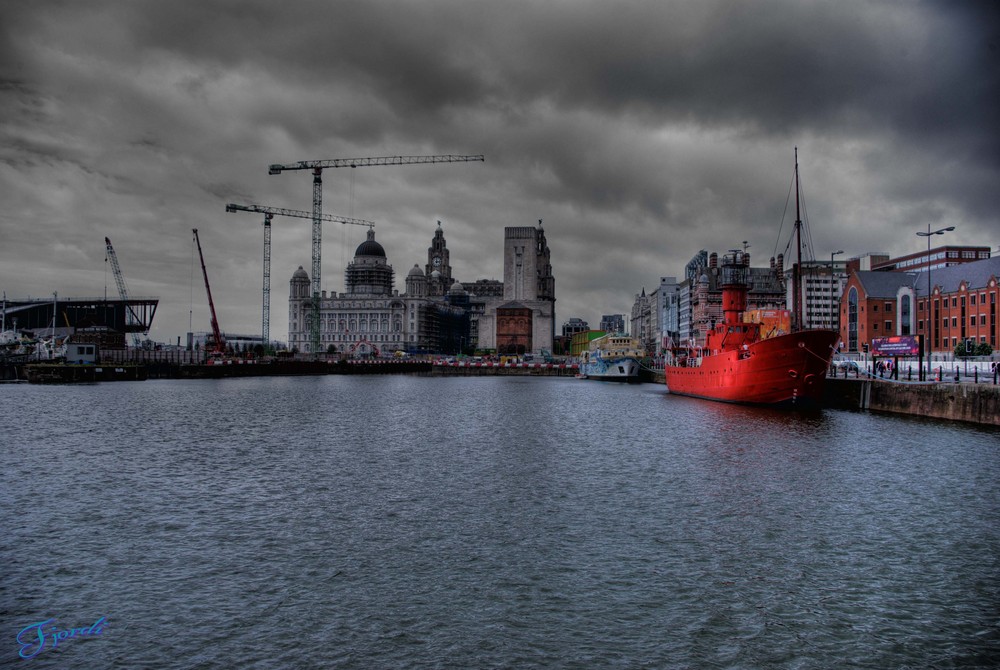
491 522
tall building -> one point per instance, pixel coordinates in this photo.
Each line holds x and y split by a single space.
523 320
822 285
643 320
438 268
612 323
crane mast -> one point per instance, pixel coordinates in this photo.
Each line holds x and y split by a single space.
269 213
220 343
317 168
131 318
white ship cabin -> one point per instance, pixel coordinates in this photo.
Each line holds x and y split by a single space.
617 345
81 353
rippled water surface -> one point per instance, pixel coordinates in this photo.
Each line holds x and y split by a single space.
391 522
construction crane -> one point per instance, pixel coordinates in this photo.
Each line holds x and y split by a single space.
131 318
220 343
269 213
317 168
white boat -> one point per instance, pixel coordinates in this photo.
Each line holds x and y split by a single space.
612 358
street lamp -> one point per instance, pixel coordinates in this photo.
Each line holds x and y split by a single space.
929 317
833 277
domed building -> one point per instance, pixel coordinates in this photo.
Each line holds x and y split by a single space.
370 316
370 272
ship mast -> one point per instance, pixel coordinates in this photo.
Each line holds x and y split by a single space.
797 273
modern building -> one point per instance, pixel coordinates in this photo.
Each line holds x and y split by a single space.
38 316
822 285
613 323
573 326
941 257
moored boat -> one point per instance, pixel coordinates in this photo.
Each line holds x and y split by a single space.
68 373
612 358
738 362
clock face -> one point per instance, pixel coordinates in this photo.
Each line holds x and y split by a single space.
436 261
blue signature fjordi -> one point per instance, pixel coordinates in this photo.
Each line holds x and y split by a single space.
33 638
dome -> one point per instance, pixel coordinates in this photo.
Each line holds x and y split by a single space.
415 271
300 274
370 247
436 274
456 289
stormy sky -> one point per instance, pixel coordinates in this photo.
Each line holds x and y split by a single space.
639 132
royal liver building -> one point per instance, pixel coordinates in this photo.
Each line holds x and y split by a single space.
436 314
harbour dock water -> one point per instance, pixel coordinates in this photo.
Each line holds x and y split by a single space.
371 521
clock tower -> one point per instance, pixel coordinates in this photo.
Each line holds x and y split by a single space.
438 260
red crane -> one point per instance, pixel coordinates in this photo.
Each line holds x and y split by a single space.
220 343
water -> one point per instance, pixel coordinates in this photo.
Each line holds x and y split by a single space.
391 522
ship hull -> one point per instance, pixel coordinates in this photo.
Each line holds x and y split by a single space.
625 369
789 369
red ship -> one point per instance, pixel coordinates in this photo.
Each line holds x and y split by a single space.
737 363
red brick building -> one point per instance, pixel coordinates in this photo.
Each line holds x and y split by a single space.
963 305
514 334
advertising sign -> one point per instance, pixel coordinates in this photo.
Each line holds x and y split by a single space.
898 345
772 322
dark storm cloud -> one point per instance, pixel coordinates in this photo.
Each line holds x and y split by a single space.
645 130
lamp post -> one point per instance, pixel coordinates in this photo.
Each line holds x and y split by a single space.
930 318
832 277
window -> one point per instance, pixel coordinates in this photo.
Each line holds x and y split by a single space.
982 319
972 320
905 319
972 299
888 306
968 254
852 319
874 308
954 322
954 302
875 326
888 326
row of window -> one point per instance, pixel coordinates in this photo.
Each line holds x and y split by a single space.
955 300
972 321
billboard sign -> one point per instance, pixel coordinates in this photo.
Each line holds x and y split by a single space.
898 345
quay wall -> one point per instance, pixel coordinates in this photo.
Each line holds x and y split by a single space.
496 369
974 403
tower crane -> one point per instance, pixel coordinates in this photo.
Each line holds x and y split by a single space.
131 318
317 168
269 213
220 343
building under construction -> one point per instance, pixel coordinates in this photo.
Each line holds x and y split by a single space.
44 317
